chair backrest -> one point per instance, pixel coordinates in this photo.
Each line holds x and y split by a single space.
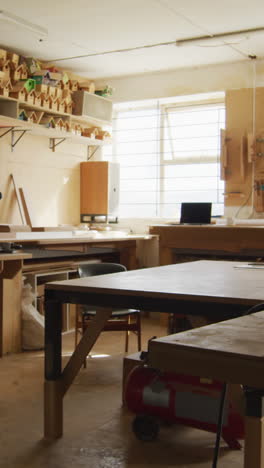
95 269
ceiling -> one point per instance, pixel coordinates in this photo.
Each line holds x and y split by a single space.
84 27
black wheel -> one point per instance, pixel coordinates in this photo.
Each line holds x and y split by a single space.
145 427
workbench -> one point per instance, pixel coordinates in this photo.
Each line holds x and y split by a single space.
231 351
53 254
215 289
179 243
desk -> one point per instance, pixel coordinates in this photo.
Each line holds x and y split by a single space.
231 351
129 247
210 288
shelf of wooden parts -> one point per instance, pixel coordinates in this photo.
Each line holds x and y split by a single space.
52 133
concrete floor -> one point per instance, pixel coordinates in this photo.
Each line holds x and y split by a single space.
97 430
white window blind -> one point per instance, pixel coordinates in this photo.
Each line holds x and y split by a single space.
168 154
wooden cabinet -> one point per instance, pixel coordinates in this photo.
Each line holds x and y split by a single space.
99 189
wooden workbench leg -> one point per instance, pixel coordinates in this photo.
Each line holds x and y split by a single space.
53 409
254 443
254 430
10 307
53 396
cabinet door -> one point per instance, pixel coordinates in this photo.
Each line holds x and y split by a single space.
99 187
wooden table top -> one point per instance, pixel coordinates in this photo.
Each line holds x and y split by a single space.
217 281
232 351
81 239
14 256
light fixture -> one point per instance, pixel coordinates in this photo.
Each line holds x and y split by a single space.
209 38
5 16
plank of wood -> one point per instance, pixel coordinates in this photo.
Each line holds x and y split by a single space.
20 205
25 207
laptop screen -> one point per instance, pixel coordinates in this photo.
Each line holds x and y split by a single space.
196 213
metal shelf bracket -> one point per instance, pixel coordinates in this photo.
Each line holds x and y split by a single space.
7 131
13 130
52 143
15 141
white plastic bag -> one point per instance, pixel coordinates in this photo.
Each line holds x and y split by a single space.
32 321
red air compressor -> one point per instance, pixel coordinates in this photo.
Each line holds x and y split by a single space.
175 398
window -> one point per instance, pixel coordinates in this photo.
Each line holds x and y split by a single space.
169 153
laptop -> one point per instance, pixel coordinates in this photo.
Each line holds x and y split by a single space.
196 213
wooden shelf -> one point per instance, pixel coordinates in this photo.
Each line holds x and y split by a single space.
37 129
10 108
79 118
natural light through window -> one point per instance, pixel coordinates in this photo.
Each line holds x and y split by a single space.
169 153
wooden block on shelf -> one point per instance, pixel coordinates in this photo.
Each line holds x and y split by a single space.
32 117
57 102
87 86
30 97
42 88
52 91
37 99
68 108
103 135
73 85
52 103
14 58
3 54
67 96
6 68
58 92
59 123
63 85
46 102
22 115
39 116
20 72
90 132
47 121
5 87
19 91
61 107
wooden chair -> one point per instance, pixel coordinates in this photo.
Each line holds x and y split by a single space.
127 320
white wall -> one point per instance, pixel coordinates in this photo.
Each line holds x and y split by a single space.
50 180
186 81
